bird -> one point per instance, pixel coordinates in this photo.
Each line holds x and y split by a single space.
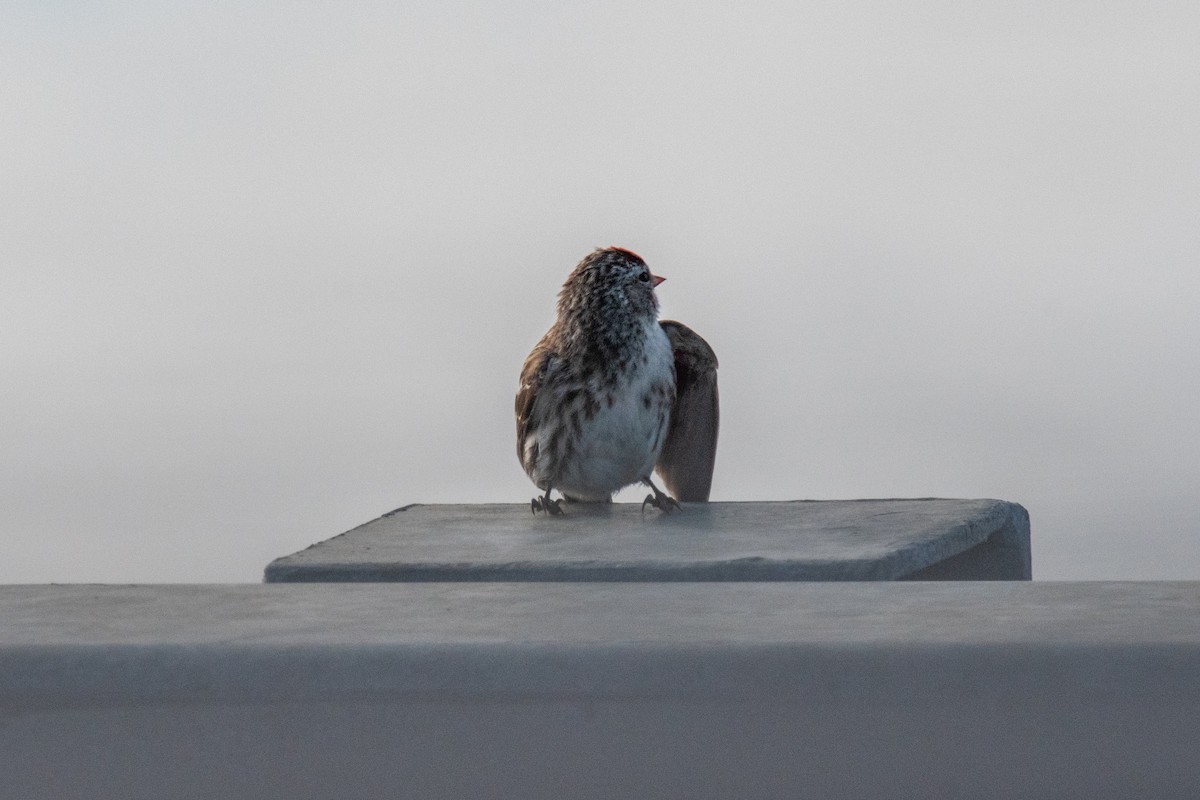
610 393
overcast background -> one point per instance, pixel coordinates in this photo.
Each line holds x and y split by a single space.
271 269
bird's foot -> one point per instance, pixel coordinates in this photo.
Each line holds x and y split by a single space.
544 503
660 500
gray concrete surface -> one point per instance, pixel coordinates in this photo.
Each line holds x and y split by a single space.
601 690
832 540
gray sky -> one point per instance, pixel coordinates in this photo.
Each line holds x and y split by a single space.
268 272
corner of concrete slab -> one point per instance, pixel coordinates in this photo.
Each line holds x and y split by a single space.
1004 556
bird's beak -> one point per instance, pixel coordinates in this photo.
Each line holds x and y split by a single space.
658 279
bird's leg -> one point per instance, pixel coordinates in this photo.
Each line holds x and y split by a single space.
661 501
544 503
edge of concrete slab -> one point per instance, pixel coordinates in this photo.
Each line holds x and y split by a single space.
993 544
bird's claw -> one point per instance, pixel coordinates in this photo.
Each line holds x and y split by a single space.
551 507
663 502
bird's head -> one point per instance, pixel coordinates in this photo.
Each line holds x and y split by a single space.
610 278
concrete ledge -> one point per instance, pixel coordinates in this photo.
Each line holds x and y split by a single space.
832 540
855 690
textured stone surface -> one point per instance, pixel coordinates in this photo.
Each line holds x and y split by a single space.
823 690
832 540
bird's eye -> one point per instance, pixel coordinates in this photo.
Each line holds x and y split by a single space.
644 277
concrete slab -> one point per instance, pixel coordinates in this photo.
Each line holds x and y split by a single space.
832 540
649 690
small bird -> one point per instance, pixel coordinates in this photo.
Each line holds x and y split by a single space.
610 393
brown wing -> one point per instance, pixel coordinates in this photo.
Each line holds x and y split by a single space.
690 450
533 379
